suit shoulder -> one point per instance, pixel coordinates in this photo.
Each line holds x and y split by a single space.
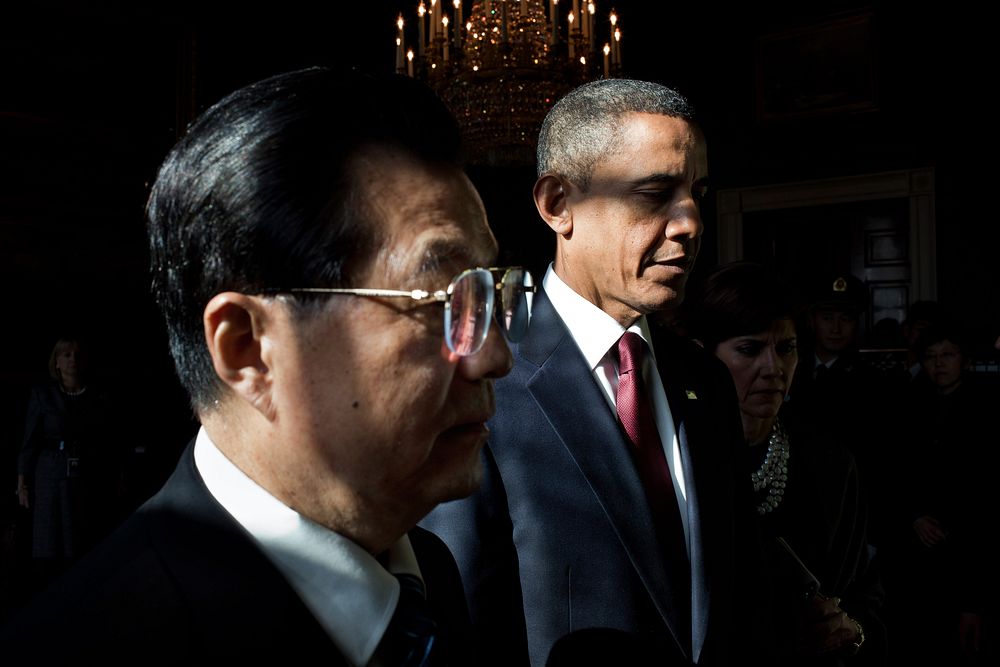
682 355
187 582
676 345
43 393
120 585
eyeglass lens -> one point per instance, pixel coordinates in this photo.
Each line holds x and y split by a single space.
472 301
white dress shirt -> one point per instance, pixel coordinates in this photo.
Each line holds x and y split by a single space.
348 591
596 334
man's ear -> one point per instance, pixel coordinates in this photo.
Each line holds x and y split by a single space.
234 326
550 193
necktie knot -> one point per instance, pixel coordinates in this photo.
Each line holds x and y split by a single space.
632 402
630 350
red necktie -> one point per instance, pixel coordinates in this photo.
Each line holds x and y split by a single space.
636 415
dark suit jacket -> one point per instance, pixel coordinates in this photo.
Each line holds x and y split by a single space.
182 580
560 536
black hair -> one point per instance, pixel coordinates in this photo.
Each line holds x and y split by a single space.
259 194
952 332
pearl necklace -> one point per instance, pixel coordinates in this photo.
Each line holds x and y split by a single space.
773 473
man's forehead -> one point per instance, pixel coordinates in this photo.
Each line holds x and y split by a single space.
680 132
440 251
429 216
651 145
454 252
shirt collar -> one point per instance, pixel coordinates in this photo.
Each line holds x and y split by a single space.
594 331
349 592
817 362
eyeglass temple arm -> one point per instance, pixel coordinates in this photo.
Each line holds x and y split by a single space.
528 289
416 295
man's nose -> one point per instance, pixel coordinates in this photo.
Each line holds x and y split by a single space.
685 221
492 361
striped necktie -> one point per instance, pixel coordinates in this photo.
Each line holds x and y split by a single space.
410 639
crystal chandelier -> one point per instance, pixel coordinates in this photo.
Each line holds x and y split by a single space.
503 67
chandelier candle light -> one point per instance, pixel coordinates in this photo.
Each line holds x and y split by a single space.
501 69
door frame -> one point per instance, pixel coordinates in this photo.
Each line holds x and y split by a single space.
916 185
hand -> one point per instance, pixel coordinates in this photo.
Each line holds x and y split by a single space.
929 531
970 627
22 497
826 627
22 492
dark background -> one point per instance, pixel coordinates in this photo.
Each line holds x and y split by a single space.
93 94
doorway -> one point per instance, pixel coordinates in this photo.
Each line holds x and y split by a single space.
880 227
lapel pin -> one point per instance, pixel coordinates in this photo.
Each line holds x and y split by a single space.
691 395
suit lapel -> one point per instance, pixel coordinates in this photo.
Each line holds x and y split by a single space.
683 389
585 425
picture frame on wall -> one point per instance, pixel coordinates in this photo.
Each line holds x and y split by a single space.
822 69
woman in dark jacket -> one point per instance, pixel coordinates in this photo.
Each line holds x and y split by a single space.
63 466
808 495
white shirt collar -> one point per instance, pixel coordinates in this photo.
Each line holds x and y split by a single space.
819 362
348 591
594 331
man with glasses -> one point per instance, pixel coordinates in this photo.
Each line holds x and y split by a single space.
614 503
325 275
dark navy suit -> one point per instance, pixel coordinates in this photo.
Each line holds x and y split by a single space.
560 536
182 581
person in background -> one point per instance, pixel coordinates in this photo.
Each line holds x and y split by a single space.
66 470
325 274
845 395
943 557
919 316
832 373
808 496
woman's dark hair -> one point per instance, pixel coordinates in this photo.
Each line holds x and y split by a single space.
736 299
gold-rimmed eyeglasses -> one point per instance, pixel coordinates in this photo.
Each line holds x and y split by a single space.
469 303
